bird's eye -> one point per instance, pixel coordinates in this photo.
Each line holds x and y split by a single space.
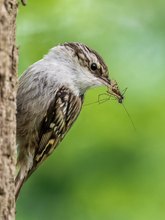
93 66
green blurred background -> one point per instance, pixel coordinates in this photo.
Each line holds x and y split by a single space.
103 169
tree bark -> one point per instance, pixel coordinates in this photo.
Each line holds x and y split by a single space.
8 70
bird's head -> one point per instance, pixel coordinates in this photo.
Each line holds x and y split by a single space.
83 65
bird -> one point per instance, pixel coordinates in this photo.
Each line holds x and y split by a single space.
50 96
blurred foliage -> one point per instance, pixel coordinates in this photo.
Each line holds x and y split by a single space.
103 169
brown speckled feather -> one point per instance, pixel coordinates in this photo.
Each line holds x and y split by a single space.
60 116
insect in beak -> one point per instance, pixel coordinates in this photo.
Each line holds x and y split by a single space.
113 90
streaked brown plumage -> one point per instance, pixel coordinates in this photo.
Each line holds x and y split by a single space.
49 99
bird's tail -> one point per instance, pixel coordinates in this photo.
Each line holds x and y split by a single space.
19 181
21 178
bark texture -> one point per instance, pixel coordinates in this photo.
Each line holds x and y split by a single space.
8 69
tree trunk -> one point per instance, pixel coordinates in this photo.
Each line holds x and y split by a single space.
8 70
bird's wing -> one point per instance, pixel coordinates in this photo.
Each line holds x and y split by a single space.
61 114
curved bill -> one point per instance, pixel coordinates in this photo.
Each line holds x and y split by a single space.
113 89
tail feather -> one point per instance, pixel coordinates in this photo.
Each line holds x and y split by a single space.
21 178
19 181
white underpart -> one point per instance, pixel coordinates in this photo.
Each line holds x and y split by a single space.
67 71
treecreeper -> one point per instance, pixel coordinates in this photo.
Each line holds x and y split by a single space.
49 99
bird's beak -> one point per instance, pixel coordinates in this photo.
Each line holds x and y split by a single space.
105 81
113 89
